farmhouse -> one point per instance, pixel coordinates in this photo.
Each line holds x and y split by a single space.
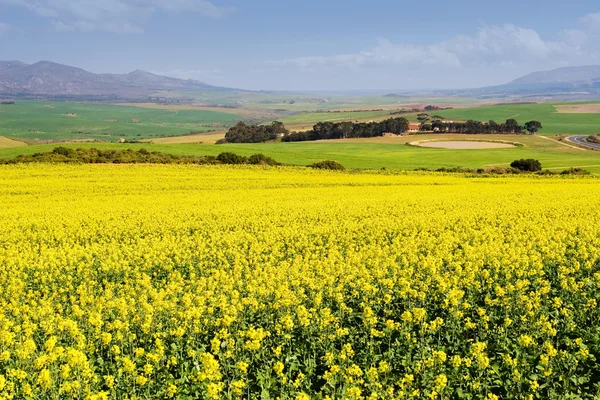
414 127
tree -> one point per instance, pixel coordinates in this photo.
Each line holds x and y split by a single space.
512 126
533 126
243 133
528 165
423 118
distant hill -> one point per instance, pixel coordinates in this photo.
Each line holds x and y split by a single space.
574 75
569 83
46 79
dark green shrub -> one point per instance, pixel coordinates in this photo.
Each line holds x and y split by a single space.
231 158
575 171
328 164
546 172
64 151
261 159
528 165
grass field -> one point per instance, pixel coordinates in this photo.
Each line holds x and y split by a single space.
554 123
391 153
236 282
355 116
313 101
35 120
6 143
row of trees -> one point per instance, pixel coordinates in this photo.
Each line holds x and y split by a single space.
68 155
344 130
476 127
244 133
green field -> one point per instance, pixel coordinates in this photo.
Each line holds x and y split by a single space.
36 120
311 102
554 123
374 154
336 116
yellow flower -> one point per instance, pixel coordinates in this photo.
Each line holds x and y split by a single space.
106 338
141 380
525 340
242 366
128 365
109 381
278 367
171 390
238 386
440 382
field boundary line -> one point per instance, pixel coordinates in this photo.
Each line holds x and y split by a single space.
564 144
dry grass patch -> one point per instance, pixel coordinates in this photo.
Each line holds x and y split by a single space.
578 108
199 138
6 143
463 145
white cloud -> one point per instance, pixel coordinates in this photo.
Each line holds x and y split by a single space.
505 45
120 16
4 27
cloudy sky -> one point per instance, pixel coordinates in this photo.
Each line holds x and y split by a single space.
309 44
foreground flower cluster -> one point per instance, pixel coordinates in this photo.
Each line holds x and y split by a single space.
249 282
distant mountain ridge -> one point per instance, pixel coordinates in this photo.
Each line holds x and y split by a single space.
49 79
574 75
567 83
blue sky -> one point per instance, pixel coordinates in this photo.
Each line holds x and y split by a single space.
307 45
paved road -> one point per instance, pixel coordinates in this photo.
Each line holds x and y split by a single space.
581 140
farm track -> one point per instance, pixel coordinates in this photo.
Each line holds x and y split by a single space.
582 141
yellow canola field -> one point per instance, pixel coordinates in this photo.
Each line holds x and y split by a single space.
220 282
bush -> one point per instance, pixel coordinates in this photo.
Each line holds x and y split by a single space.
575 171
261 159
231 158
96 156
546 172
528 165
64 151
594 139
328 164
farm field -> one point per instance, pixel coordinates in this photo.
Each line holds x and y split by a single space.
6 143
214 282
314 101
43 121
554 122
335 116
374 153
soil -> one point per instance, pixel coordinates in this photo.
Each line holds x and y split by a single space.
464 145
578 108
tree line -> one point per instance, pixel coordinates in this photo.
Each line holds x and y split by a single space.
345 130
510 126
244 133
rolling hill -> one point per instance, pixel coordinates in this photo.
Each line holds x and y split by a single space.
569 83
46 79
574 75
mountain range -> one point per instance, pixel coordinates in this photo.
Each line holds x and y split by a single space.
46 79
49 80
568 83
